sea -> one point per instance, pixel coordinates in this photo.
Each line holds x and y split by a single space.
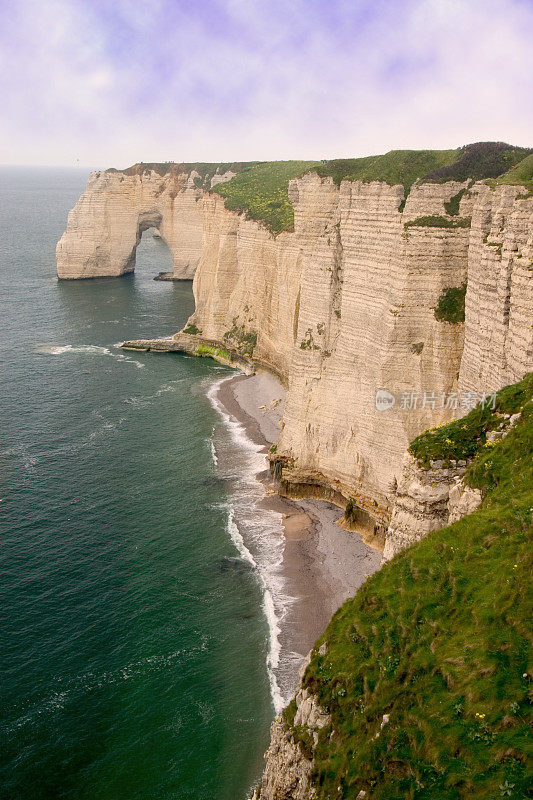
140 593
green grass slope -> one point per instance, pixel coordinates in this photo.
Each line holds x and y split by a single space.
396 167
261 192
521 175
479 161
440 640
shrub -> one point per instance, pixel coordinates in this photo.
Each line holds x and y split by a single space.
243 341
438 222
192 330
479 161
451 305
452 206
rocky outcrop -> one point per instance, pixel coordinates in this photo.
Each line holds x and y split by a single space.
106 224
289 758
427 499
342 308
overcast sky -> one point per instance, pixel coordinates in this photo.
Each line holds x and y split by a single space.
111 82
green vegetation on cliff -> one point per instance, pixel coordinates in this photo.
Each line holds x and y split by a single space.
426 672
479 161
451 305
239 338
261 192
436 221
521 175
452 206
396 167
210 351
192 330
463 438
259 189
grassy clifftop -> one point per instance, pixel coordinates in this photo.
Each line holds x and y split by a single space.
261 192
259 189
521 175
397 166
440 641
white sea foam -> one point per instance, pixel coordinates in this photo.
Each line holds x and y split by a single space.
89 349
22 452
257 533
146 400
213 448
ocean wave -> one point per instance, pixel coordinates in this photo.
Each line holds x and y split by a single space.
89 349
89 682
256 533
147 399
211 445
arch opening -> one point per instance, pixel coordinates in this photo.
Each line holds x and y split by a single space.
150 252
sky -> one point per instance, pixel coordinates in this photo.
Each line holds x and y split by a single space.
104 83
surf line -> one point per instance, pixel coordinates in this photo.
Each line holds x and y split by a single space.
273 599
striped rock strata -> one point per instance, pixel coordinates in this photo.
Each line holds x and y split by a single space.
340 308
106 224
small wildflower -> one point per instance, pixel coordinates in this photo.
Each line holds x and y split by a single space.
506 789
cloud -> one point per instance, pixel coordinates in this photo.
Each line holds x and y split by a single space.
119 81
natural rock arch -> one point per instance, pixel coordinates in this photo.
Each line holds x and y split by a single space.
146 220
106 224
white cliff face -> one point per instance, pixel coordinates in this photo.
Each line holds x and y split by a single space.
106 224
339 308
369 287
247 277
499 301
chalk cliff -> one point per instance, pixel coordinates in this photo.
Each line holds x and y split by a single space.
343 309
340 307
345 305
106 224
499 301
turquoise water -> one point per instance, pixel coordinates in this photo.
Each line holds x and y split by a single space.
134 639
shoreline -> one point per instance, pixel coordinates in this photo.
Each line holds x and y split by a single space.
322 564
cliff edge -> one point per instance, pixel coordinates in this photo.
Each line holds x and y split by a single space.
389 293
